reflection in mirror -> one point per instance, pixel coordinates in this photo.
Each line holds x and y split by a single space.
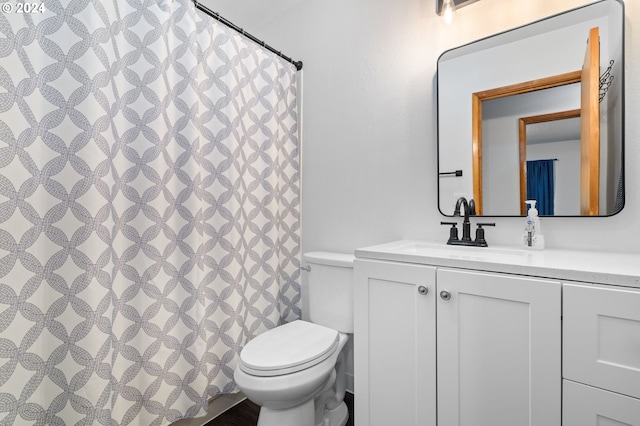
504 157
499 172
550 144
485 117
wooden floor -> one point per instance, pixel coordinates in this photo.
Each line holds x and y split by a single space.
246 414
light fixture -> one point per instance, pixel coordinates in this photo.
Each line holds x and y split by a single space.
446 8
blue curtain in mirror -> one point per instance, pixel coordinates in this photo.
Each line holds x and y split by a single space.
540 186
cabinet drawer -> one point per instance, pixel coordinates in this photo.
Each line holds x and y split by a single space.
588 406
601 337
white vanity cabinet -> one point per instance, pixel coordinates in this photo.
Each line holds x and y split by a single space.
498 347
394 344
502 337
601 355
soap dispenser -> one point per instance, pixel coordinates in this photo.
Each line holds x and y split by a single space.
532 237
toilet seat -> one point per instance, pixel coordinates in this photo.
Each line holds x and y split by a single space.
288 348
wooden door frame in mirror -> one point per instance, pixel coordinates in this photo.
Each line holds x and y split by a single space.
522 149
476 118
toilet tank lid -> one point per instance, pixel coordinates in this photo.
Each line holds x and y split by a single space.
344 260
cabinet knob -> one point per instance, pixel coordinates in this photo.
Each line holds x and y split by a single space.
423 290
445 295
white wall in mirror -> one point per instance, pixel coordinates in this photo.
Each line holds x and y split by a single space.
501 153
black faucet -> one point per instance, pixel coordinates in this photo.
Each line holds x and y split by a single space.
472 207
466 225
469 210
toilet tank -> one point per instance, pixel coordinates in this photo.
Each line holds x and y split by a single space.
330 287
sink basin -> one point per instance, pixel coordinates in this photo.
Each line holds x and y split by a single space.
426 248
420 249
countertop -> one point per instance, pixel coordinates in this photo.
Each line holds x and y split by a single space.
568 265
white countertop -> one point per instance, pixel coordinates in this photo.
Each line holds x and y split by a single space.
570 265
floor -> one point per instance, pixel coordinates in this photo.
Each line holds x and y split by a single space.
246 414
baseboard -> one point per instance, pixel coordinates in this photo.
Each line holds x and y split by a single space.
350 382
217 406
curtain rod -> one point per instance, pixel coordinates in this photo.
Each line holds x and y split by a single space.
216 16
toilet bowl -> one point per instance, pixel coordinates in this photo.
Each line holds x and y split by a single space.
295 372
286 392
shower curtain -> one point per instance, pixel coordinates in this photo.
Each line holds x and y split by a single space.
149 209
541 186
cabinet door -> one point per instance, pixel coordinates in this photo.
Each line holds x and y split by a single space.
588 406
498 341
394 344
602 337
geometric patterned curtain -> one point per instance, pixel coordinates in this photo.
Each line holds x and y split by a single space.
149 209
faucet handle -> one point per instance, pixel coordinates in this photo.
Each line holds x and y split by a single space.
480 241
453 232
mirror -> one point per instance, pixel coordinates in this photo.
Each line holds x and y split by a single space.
551 90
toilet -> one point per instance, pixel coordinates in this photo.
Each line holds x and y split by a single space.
295 372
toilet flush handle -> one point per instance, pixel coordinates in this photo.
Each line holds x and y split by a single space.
306 268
